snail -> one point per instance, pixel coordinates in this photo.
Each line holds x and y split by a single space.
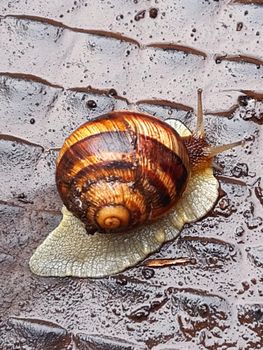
129 182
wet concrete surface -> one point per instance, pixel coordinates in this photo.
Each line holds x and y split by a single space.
65 62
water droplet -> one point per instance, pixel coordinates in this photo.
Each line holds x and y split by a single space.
153 12
112 92
239 26
91 104
147 273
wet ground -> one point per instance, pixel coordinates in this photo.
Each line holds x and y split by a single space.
63 62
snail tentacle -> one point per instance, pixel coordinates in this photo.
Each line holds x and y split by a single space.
215 150
200 128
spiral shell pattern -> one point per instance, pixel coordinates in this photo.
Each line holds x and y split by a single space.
121 170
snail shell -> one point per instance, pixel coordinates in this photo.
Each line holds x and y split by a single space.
131 180
122 170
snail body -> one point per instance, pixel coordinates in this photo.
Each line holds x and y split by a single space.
129 182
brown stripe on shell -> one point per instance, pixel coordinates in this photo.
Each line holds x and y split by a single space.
105 123
122 121
153 184
109 170
159 157
94 149
149 126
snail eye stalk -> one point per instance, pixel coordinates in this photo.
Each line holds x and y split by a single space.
214 150
200 129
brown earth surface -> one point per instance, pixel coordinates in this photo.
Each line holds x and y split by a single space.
63 62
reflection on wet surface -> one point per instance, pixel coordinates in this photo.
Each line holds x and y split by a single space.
62 64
